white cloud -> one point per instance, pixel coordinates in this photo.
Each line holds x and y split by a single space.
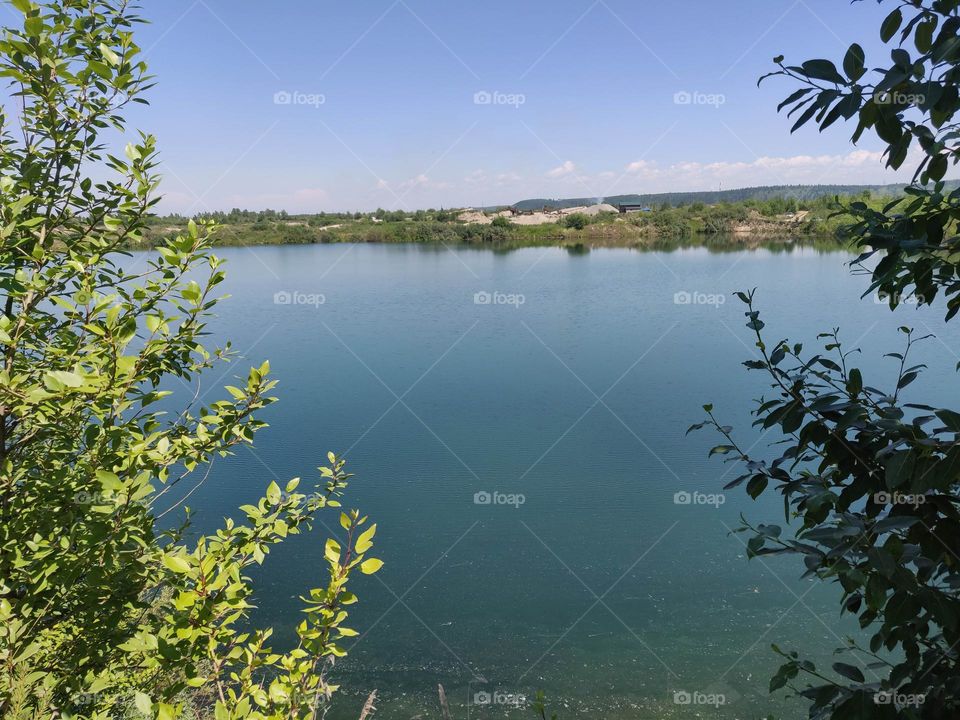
415 182
856 167
568 168
639 166
493 184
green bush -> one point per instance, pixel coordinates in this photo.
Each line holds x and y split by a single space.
868 479
576 221
103 614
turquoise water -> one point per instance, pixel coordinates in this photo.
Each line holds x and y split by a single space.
568 396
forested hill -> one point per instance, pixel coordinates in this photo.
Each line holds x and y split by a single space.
712 197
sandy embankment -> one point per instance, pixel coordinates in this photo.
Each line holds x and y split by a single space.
473 217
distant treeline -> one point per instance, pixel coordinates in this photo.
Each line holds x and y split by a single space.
777 217
783 213
320 219
713 197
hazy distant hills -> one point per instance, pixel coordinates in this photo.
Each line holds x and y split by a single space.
711 197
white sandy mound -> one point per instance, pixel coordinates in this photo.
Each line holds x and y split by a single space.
472 217
537 218
590 209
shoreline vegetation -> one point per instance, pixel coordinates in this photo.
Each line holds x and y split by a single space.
723 225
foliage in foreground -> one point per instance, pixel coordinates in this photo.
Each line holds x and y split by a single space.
874 480
101 614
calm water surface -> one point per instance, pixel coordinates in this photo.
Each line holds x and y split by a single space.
599 588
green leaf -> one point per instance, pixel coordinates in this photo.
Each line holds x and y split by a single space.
332 551
822 70
853 63
33 26
855 382
950 418
192 291
848 671
365 541
109 481
890 25
924 35
109 55
60 379
756 486
144 703
177 564
369 567
273 493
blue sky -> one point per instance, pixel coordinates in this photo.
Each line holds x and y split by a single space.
313 105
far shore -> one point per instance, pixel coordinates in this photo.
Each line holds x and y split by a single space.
738 225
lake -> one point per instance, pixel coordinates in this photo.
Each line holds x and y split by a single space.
516 422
